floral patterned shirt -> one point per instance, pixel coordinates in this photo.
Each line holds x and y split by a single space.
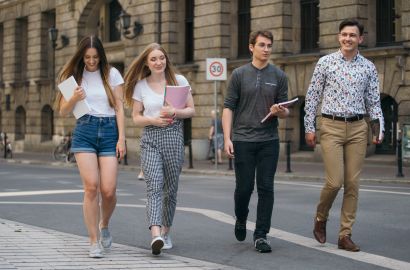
346 88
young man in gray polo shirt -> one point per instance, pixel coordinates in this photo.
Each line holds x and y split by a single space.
254 90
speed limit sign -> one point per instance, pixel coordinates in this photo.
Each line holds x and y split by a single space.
216 69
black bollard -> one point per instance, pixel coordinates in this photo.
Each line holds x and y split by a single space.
5 144
399 159
288 170
230 164
191 166
126 154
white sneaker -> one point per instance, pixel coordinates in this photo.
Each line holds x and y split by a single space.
95 251
105 238
167 241
156 245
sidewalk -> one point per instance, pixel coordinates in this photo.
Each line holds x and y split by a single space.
377 168
25 247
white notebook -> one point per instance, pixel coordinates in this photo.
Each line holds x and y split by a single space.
67 88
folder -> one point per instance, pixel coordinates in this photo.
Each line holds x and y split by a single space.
285 104
67 88
176 96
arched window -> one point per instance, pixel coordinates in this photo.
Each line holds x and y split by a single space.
20 123
114 11
47 125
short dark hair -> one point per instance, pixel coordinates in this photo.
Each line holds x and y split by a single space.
265 33
351 22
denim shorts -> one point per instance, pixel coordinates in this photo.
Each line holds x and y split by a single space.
94 134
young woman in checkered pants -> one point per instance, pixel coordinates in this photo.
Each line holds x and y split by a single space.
162 142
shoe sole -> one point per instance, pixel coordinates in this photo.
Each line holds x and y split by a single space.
348 249
264 251
317 238
156 246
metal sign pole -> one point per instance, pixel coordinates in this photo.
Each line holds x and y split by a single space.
215 128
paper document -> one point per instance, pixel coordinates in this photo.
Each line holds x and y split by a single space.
67 88
176 95
283 104
377 127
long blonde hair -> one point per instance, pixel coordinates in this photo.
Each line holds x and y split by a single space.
139 70
76 65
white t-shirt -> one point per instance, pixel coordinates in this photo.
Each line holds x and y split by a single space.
151 100
95 91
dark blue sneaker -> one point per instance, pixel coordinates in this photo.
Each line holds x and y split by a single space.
240 230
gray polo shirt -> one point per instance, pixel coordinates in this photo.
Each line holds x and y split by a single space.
251 93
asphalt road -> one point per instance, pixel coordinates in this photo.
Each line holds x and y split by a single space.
50 196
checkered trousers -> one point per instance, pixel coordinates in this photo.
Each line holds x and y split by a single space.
162 156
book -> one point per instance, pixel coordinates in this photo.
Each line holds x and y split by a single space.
67 88
377 127
176 96
285 104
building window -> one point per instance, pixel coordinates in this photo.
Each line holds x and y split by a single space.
20 124
244 27
47 125
1 50
114 12
309 25
21 49
385 22
189 31
47 51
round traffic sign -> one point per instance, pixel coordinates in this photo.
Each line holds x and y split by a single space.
216 68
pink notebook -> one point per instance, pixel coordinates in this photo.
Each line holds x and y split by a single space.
177 95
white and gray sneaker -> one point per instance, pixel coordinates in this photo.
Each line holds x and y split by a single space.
156 245
95 251
167 241
105 238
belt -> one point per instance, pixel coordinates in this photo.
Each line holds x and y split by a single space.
344 119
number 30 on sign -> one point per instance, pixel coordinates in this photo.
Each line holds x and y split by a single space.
216 69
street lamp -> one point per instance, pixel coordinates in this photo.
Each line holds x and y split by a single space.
125 23
53 34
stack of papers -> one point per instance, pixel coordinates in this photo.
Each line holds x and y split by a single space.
67 88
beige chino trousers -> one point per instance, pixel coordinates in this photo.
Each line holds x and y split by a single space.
343 150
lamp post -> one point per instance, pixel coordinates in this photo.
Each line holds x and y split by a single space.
125 23
53 35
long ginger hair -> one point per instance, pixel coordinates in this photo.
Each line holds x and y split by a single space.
139 70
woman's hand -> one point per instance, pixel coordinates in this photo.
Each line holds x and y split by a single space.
167 112
120 148
162 121
79 94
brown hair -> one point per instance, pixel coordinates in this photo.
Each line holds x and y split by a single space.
139 70
351 22
265 33
76 65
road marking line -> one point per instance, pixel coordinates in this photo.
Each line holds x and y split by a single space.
361 256
39 192
362 189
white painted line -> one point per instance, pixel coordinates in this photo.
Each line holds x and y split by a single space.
39 192
362 189
361 256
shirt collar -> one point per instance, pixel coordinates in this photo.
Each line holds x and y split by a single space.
355 58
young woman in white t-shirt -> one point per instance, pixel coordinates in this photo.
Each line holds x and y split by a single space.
98 138
162 142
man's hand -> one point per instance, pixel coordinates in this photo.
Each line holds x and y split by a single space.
310 139
228 148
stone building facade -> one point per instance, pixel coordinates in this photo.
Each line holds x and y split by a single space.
191 31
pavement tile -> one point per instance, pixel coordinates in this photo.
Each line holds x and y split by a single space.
26 247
